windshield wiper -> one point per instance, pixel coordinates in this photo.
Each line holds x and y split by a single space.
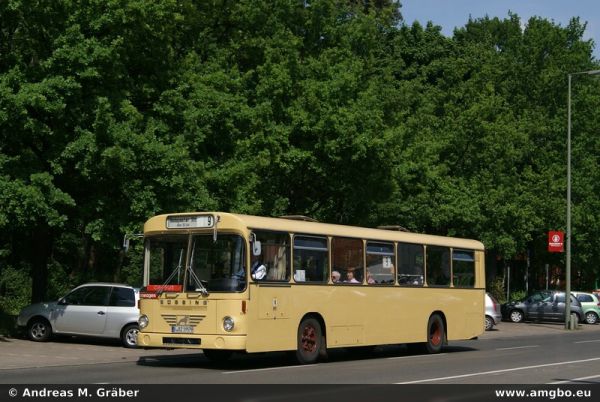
199 286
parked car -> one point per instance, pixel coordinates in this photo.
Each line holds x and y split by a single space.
541 306
108 310
590 305
492 312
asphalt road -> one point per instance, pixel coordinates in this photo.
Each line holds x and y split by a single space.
526 353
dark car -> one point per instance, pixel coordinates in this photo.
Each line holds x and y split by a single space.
541 306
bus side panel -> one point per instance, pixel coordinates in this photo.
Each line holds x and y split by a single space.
360 315
269 325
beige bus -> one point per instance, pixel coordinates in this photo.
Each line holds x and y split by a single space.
226 282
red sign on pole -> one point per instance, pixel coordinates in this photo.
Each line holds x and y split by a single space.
556 241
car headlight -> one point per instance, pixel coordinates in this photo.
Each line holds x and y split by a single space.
228 324
143 321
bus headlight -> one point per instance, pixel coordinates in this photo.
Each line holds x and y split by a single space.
143 321
228 324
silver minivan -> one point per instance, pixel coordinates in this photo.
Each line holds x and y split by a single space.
492 312
108 310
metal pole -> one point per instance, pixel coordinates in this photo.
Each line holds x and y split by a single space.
568 263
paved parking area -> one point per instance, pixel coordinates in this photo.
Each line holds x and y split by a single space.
21 353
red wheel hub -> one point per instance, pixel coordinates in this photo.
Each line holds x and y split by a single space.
309 339
435 334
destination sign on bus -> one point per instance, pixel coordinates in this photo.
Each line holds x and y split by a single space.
194 221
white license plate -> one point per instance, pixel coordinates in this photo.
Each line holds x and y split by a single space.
182 329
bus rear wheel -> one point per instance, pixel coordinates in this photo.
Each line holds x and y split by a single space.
436 334
310 341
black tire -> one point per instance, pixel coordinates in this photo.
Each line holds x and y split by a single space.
129 335
39 330
217 355
311 343
436 334
516 316
489 323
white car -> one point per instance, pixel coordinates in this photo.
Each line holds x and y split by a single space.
492 312
108 310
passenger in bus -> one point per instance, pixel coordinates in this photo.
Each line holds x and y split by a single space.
370 279
335 276
350 276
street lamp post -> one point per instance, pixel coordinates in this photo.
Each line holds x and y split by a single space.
568 273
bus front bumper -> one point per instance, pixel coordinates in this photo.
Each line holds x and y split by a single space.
190 341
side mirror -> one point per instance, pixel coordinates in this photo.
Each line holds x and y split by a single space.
62 301
256 248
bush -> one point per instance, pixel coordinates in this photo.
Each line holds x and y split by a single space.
518 295
496 289
15 290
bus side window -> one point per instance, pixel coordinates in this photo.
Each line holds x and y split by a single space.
275 255
380 263
347 257
438 266
411 267
463 268
310 259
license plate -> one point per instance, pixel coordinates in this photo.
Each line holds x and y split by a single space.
182 329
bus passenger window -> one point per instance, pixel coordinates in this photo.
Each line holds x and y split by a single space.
438 266
380 263
310 259
347 258
275 252
463 268
410 264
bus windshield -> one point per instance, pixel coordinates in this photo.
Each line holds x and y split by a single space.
215 265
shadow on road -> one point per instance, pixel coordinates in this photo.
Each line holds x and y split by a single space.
254 361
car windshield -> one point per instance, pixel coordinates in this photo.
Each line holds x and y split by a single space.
198 263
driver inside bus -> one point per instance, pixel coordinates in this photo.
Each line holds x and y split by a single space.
258 271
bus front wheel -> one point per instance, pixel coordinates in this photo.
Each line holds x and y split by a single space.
310 341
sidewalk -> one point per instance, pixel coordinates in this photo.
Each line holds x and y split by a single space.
510 329
22 353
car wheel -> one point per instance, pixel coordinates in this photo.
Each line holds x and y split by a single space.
39 330
129 335
516 316
591 317
489 323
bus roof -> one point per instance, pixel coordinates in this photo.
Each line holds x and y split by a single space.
240 222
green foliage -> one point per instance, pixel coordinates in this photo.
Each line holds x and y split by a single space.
15 290
517 295
111 112
496 288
